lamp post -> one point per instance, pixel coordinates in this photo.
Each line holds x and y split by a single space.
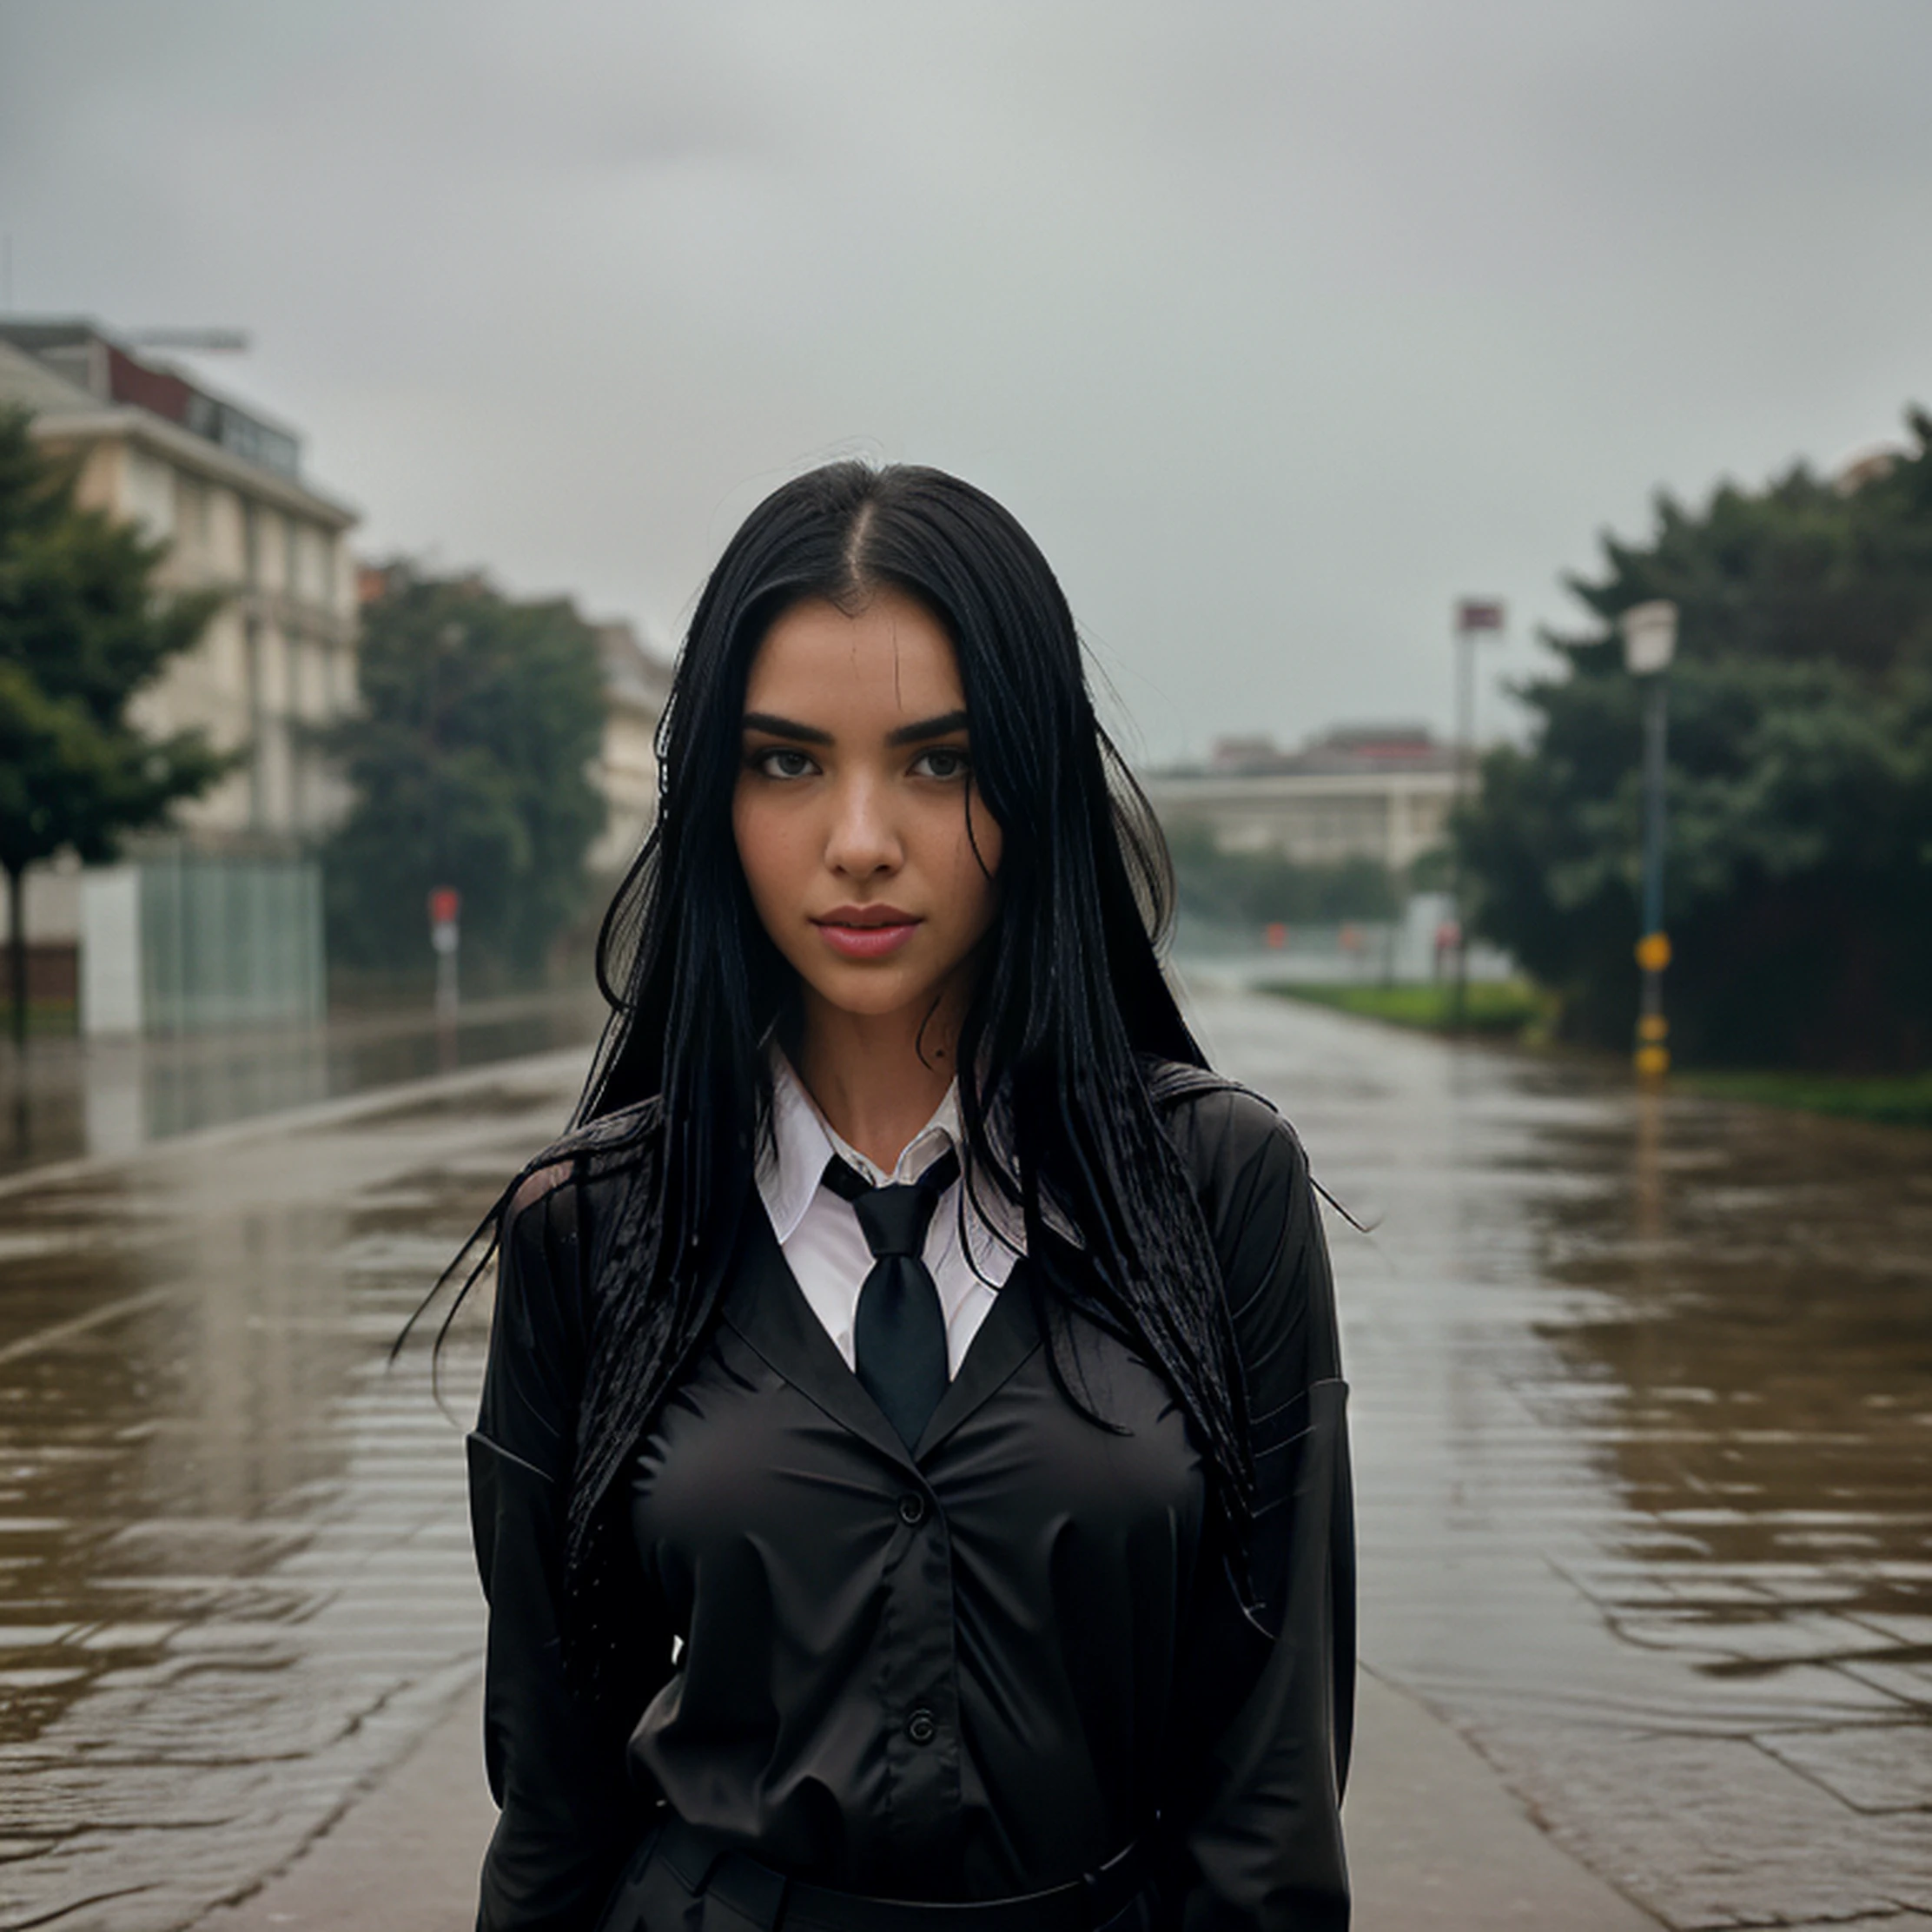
1650 638
1474 616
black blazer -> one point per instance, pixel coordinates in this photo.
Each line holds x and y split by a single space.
973 1669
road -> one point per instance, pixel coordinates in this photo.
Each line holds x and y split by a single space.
80 1098
1642 1421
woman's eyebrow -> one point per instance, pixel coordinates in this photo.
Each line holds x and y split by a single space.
924 728
785 727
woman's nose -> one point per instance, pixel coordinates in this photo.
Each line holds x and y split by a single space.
861 839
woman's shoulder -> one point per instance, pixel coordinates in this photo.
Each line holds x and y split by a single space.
1251 1177
613 1144
547 1222
550 1218
1228 1136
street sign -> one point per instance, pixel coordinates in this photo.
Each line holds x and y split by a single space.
1480 614
446 903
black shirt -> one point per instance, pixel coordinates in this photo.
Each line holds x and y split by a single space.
976 1669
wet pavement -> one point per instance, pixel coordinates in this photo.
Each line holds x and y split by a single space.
78 1098
1643 1423
234 1578
1642 1419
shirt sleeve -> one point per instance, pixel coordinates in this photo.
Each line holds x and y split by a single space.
1258 1826
556 1761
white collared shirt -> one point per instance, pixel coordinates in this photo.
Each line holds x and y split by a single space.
820 1233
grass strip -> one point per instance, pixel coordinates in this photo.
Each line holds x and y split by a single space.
1508 1008
1889 1099
1515 1009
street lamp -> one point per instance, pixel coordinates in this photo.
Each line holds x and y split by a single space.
1474 616
1650 638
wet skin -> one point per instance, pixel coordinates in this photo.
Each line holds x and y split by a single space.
869 855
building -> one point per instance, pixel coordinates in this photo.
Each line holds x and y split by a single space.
1377 791
636 682
218 924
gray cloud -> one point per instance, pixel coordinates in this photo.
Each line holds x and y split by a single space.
1281 326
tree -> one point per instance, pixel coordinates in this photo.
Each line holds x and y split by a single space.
1799 880
1252 890
84 630
470 760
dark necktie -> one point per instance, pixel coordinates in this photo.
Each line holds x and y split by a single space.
899 1332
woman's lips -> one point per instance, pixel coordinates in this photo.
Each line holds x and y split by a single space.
871 934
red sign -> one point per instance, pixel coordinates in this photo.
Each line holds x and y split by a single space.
1480 614
444 903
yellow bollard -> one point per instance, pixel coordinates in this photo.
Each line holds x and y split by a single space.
1653 1031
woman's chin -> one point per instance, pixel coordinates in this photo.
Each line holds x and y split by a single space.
866 1002
876 992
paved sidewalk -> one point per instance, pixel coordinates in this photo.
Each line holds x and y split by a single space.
1643 1563
403 1858
1437 1844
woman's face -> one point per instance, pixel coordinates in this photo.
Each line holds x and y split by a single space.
869 855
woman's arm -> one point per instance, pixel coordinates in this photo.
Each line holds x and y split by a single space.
556 1763
1259 1824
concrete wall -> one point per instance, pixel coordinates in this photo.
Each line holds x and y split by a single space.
192 943
53 907
110 959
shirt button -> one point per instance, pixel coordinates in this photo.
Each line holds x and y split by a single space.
920 1727
912 1509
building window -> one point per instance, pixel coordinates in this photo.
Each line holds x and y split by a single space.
190 519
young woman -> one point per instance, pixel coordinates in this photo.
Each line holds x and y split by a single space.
911 1486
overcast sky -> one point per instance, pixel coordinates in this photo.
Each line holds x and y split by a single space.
1280 325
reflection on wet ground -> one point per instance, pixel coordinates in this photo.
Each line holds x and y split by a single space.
1643 1410
234 1579
1642 1421
73 1098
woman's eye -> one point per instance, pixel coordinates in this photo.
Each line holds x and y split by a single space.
782 762
946 761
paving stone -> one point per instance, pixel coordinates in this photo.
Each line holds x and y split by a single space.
1710 1831
1872 1767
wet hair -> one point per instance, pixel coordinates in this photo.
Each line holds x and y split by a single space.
1067 1016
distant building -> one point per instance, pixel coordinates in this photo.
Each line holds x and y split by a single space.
1868 467
221 924
636 682
1366 791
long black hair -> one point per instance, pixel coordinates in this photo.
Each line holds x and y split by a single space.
1068 1014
